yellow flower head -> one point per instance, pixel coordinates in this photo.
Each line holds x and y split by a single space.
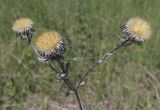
22 25
49 44
137 29
47 41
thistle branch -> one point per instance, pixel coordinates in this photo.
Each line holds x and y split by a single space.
60 60
104 58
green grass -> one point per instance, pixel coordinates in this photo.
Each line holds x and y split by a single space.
130 80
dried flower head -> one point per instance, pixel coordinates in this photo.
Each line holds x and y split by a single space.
49 44
137 30
24 28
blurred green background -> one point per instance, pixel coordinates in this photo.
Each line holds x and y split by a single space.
130 80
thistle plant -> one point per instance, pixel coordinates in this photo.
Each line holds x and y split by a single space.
50 46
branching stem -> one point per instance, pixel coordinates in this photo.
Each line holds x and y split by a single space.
67 81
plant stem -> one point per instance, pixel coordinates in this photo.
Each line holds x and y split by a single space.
69 84
105 57
78 99
67 81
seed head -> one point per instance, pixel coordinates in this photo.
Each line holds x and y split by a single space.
49 44
22 24
137 30
24 28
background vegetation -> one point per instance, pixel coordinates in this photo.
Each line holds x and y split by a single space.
129 81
